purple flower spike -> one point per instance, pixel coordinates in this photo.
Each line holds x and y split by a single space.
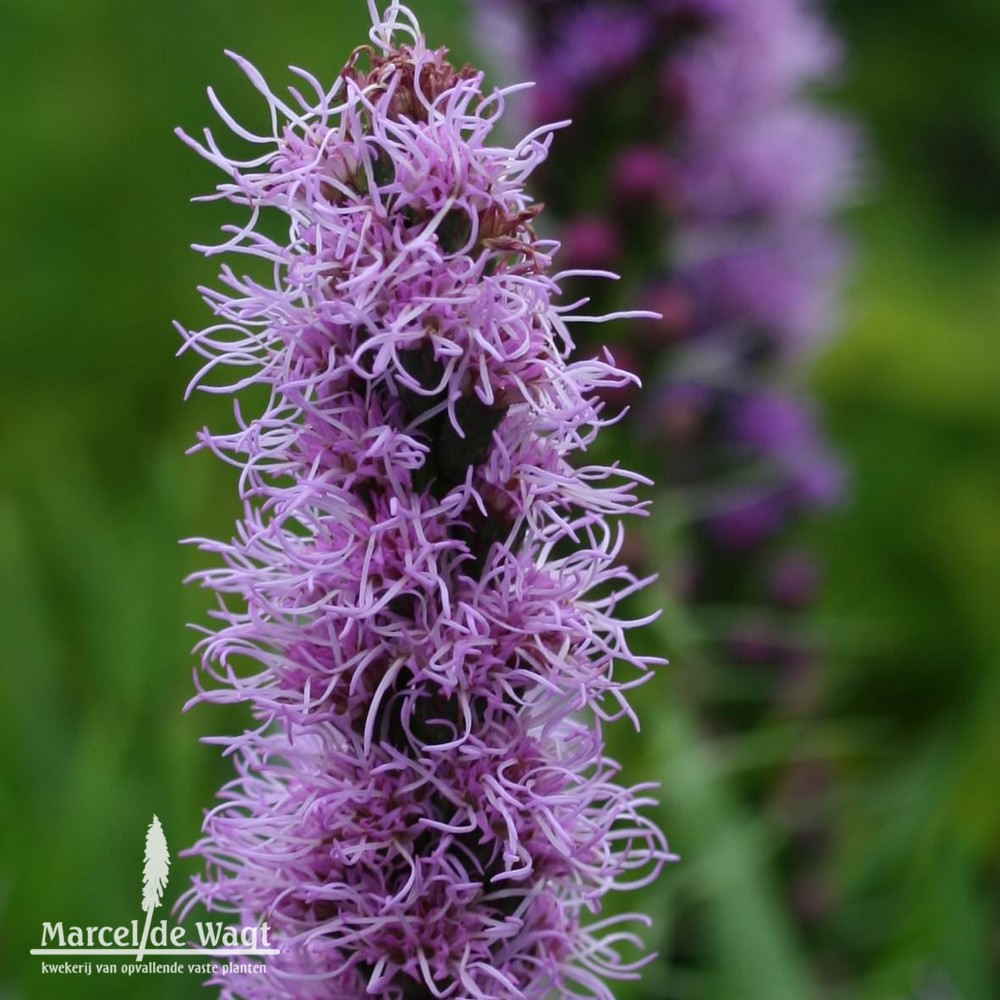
419 601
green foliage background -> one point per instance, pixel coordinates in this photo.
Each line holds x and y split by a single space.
95 489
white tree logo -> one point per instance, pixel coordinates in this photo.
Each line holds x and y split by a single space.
155 871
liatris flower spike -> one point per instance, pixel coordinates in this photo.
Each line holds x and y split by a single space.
419 601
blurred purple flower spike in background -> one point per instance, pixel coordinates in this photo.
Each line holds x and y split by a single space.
699 165
704 168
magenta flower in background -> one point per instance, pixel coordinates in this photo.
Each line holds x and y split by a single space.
700 164
419 601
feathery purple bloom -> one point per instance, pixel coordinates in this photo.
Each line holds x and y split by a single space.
419 601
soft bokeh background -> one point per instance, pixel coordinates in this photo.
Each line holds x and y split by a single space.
95 489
